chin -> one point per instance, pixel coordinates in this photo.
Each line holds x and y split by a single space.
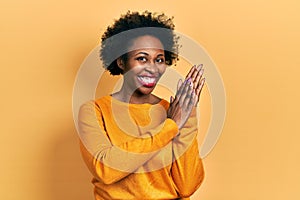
145 90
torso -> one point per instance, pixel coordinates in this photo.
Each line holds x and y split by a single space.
152 99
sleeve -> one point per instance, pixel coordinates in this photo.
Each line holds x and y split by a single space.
187 169
110 163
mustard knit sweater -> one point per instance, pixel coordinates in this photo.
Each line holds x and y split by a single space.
135 152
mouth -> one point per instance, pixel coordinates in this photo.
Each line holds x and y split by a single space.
147 81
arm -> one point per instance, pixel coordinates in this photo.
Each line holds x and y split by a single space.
187 170
110 163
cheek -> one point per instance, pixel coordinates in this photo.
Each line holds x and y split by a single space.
132 66
137 68
162 69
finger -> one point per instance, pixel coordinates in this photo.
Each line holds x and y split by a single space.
188 97
198 78
171 107
193 101
196 72
199 89
171 99
179 84
200 67
180 91
186 92
191 72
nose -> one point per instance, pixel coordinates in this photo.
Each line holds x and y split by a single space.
151 68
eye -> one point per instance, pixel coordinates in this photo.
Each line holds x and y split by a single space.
160 60
142 59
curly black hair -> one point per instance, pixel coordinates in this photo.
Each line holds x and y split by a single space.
146 23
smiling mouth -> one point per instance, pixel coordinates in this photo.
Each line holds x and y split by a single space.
147 81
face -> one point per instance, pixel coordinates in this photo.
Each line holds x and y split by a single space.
144 66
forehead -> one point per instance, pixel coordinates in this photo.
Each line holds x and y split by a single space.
146 42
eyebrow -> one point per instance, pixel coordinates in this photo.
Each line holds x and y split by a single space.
148 54
142 53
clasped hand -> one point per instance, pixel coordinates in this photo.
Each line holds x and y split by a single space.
187 96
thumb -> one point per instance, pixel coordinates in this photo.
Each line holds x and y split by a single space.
171 99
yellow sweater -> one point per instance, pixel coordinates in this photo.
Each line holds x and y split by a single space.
135 152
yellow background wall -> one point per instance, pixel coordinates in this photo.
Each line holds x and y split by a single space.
255 45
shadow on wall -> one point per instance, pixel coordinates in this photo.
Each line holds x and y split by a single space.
69 178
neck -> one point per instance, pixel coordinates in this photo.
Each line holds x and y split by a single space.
134 97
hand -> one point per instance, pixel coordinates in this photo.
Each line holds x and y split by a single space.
181 107
195 74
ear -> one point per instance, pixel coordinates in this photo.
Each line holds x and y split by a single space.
120 63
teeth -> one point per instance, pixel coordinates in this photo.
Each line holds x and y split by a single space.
147 80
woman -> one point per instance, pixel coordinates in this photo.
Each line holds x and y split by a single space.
137 145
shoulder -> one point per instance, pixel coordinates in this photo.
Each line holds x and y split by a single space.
103 100
95 104
164 103
161 101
